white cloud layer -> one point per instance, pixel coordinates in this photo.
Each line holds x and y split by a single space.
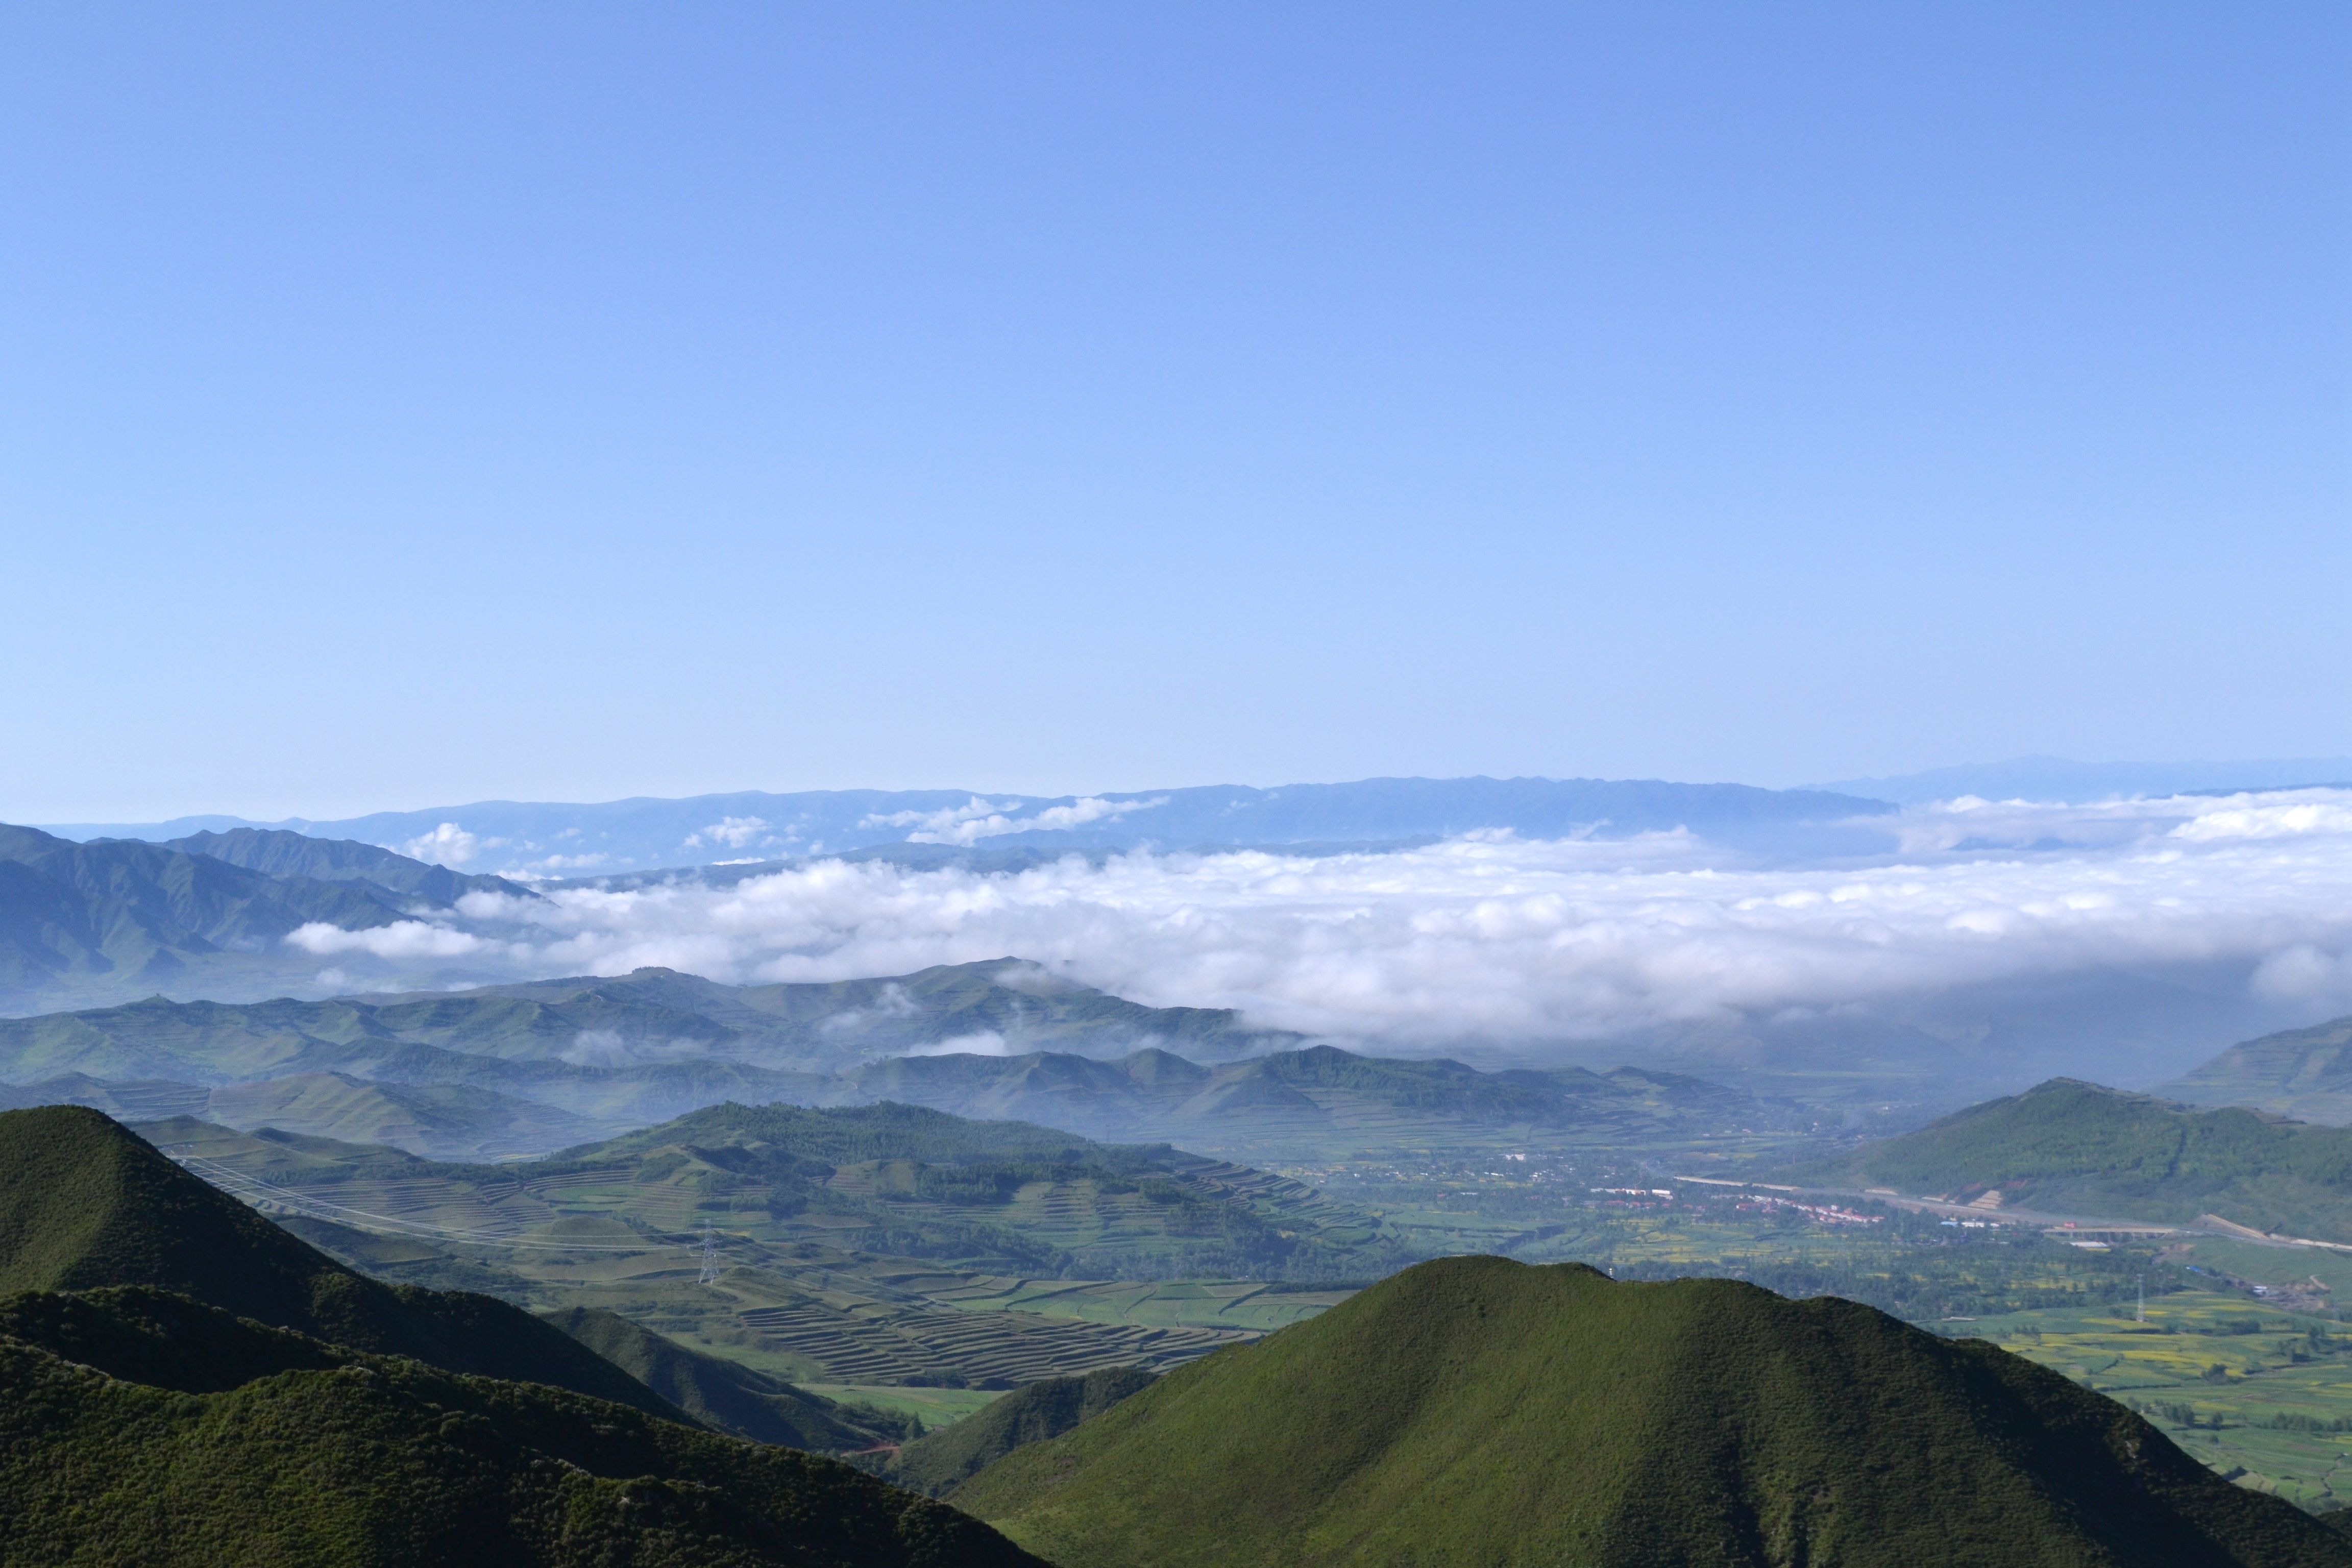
400 940
1494 936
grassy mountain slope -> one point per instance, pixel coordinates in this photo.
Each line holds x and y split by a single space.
724 1394
442 1119
2302 1073
85 1203
1005 1196
2077 1147
140 1427
937 1464
1480 1411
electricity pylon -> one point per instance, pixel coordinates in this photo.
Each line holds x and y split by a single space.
709 1257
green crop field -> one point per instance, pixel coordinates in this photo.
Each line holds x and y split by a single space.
1250 1306
934 1407
2262 1395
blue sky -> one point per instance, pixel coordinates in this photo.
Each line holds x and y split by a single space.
419 404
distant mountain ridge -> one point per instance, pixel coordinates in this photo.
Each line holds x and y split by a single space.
2082 1148
2063 779
284 853
523 1069
87 922
556 840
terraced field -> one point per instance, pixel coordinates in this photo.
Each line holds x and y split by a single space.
1252 1306
998 1349
753 1269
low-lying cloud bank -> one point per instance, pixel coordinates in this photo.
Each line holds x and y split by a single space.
1511 940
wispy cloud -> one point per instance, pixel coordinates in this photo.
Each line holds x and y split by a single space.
1513 940
447 845
731 833
978 819
400 940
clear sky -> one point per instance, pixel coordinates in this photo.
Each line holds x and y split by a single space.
420 403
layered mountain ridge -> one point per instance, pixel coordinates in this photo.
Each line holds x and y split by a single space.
546 839
527 1067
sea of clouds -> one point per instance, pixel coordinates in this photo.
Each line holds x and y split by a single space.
1510 939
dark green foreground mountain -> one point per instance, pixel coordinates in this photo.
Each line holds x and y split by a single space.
938 1464
85 1203
138 1426
2078 1147
1477 1411
141 1425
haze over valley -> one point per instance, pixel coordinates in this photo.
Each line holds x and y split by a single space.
1040 786
1953 949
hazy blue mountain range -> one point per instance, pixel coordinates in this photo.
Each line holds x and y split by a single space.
527 1067
2061 779
1896 1061
2302 1073
281 853
653 1018
100 918
108 920
550 840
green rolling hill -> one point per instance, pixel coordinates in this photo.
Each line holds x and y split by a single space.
859 1246
2302 1073
138 1426
85 1203
1010 1195
2077 1148
1479 1410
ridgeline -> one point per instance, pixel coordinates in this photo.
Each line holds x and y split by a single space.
183 1383
1477 1411
2079 1147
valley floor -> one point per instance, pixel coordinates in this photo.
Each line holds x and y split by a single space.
2241 1356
